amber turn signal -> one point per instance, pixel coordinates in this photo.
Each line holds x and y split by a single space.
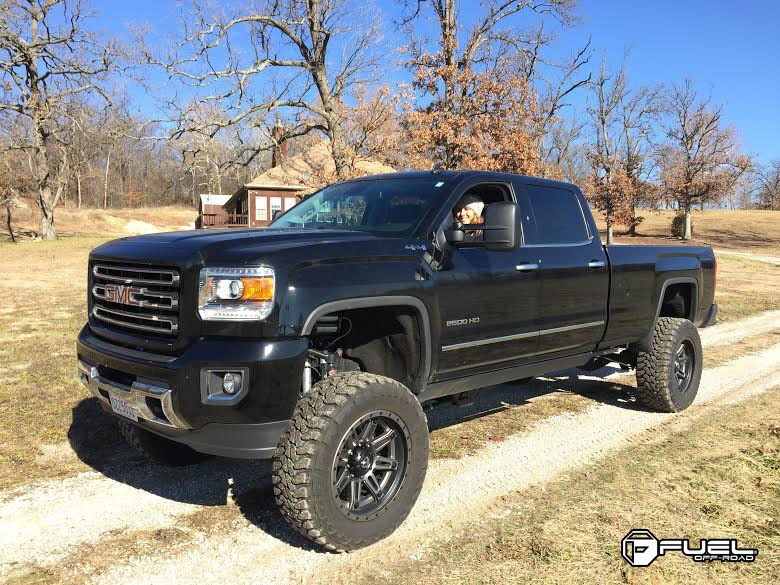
258 288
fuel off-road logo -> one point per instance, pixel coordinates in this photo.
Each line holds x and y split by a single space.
640 548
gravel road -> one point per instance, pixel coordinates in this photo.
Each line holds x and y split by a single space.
50 524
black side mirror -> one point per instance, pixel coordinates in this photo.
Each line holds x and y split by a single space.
502 226
500 230
276 214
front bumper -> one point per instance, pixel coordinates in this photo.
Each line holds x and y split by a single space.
165 391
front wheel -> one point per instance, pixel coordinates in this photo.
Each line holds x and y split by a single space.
668 375
349 468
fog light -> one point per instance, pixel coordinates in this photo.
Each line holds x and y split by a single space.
231 383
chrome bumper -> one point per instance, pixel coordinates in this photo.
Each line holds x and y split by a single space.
135 395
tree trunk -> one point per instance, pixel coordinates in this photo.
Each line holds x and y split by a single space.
688 231
609 235
78 185
47 215
8 223
632 227
105 181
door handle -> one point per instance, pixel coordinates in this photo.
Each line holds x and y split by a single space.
526 267
596 264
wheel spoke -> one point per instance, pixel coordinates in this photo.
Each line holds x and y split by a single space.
680 350
383 440
354 493
372 483
344 455
341 482
368 431
382 463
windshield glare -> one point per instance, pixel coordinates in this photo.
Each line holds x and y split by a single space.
391 207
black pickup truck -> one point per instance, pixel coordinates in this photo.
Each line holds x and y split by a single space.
316 341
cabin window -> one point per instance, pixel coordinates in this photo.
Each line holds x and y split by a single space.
261 208
276 205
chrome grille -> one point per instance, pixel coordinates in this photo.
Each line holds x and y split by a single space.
136 298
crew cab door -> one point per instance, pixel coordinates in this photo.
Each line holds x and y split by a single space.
574 284
487 307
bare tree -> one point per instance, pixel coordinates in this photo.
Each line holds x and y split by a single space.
767 181
48 58
639 112
701 161
609 188
305 59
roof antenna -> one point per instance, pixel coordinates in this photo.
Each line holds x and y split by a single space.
437 168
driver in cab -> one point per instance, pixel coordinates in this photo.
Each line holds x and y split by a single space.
468 211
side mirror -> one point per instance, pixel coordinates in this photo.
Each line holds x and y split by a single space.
501 230
276 214
502 226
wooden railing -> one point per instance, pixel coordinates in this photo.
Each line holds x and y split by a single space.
237 220
212 220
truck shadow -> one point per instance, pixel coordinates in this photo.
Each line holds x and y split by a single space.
498 398
216 482
221 482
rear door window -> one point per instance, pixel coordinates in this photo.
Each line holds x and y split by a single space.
558 215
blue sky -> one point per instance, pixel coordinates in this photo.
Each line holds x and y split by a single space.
729 48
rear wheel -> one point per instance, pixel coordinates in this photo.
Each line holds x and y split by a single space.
668 376
157 448
350 467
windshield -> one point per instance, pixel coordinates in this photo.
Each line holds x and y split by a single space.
389 207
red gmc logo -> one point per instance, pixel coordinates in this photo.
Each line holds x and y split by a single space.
116 293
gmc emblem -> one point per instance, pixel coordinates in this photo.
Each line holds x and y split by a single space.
117 293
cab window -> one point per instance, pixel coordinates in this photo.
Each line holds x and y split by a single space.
558 216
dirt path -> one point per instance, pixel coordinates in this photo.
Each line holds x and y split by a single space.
758 257
49 523
454 491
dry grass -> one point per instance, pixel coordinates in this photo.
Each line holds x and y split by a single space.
503 411
719 478
757 232
44 306
74 222
746 287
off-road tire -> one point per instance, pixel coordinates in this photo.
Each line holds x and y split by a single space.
157 448
304 461
655 371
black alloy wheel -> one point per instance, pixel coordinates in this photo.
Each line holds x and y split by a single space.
370 464
683 366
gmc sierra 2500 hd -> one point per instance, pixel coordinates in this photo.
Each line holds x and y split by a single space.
315 341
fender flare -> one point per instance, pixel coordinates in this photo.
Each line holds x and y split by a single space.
645 343
381 301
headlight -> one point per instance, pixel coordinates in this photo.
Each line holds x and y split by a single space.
236 294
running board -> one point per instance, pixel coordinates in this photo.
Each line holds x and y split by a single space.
468 383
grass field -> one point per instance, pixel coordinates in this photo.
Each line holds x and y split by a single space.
718 478
757 232
42 413
78 222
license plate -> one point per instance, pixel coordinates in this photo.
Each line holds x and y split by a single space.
119 406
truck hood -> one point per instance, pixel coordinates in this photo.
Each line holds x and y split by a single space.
240 246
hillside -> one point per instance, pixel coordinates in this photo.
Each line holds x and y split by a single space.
751 231
129 221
